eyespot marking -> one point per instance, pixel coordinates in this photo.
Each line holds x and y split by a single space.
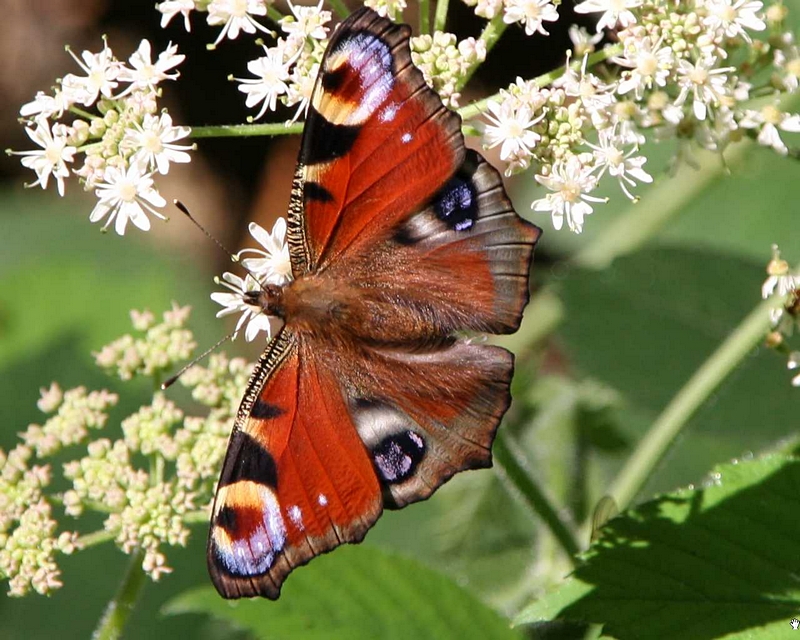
398 455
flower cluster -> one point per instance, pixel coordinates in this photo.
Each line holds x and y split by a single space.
234 16
156 351
287 70
269 266
146 509
110 115
782 289
444 62
689 70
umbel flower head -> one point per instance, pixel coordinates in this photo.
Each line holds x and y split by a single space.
120 134
148 484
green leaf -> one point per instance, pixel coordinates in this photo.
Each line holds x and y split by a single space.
357 593
644 326
721 560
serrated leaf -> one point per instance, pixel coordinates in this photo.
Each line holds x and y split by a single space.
357 593
719 561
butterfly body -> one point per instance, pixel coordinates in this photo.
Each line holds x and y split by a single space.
400 239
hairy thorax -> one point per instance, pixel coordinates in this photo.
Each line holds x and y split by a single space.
324 306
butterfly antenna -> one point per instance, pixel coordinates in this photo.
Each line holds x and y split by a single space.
170 381
185 211
234 257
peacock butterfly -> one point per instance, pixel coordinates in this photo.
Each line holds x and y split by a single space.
366 399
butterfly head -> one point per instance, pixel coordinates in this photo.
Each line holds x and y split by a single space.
269 299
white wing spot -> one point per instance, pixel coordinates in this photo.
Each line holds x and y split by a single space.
296 516
322 500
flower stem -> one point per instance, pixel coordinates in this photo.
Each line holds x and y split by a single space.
512 463
440 19
83 114
339 8
121 606
94 538
700 386
424 16
274 14
490 35
244 130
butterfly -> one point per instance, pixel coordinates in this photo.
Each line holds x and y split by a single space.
400 238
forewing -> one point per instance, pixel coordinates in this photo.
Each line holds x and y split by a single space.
377 144
296 481
462 262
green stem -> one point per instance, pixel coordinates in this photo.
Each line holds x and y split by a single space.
95 538
339 8
424 16
244 130
83 114
195 517
490 35
440 19
121 606
512 463
695 392
274 14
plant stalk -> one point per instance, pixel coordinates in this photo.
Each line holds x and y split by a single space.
440 19
424 16
512 464
119 609
700 386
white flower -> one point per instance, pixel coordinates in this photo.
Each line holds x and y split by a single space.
614 12
770 119
272 73
126 195
391 9
595 95
609 156
308 22
570 182
101 71
488 8
531 13
236 16
301 86
145 74
650 65
171 8
272 265
51 159
582 41
707 84
779 279
244 300
732 17
45 105
153 142
510 127
789 63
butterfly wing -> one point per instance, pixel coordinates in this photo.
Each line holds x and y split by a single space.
377 143
296 481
